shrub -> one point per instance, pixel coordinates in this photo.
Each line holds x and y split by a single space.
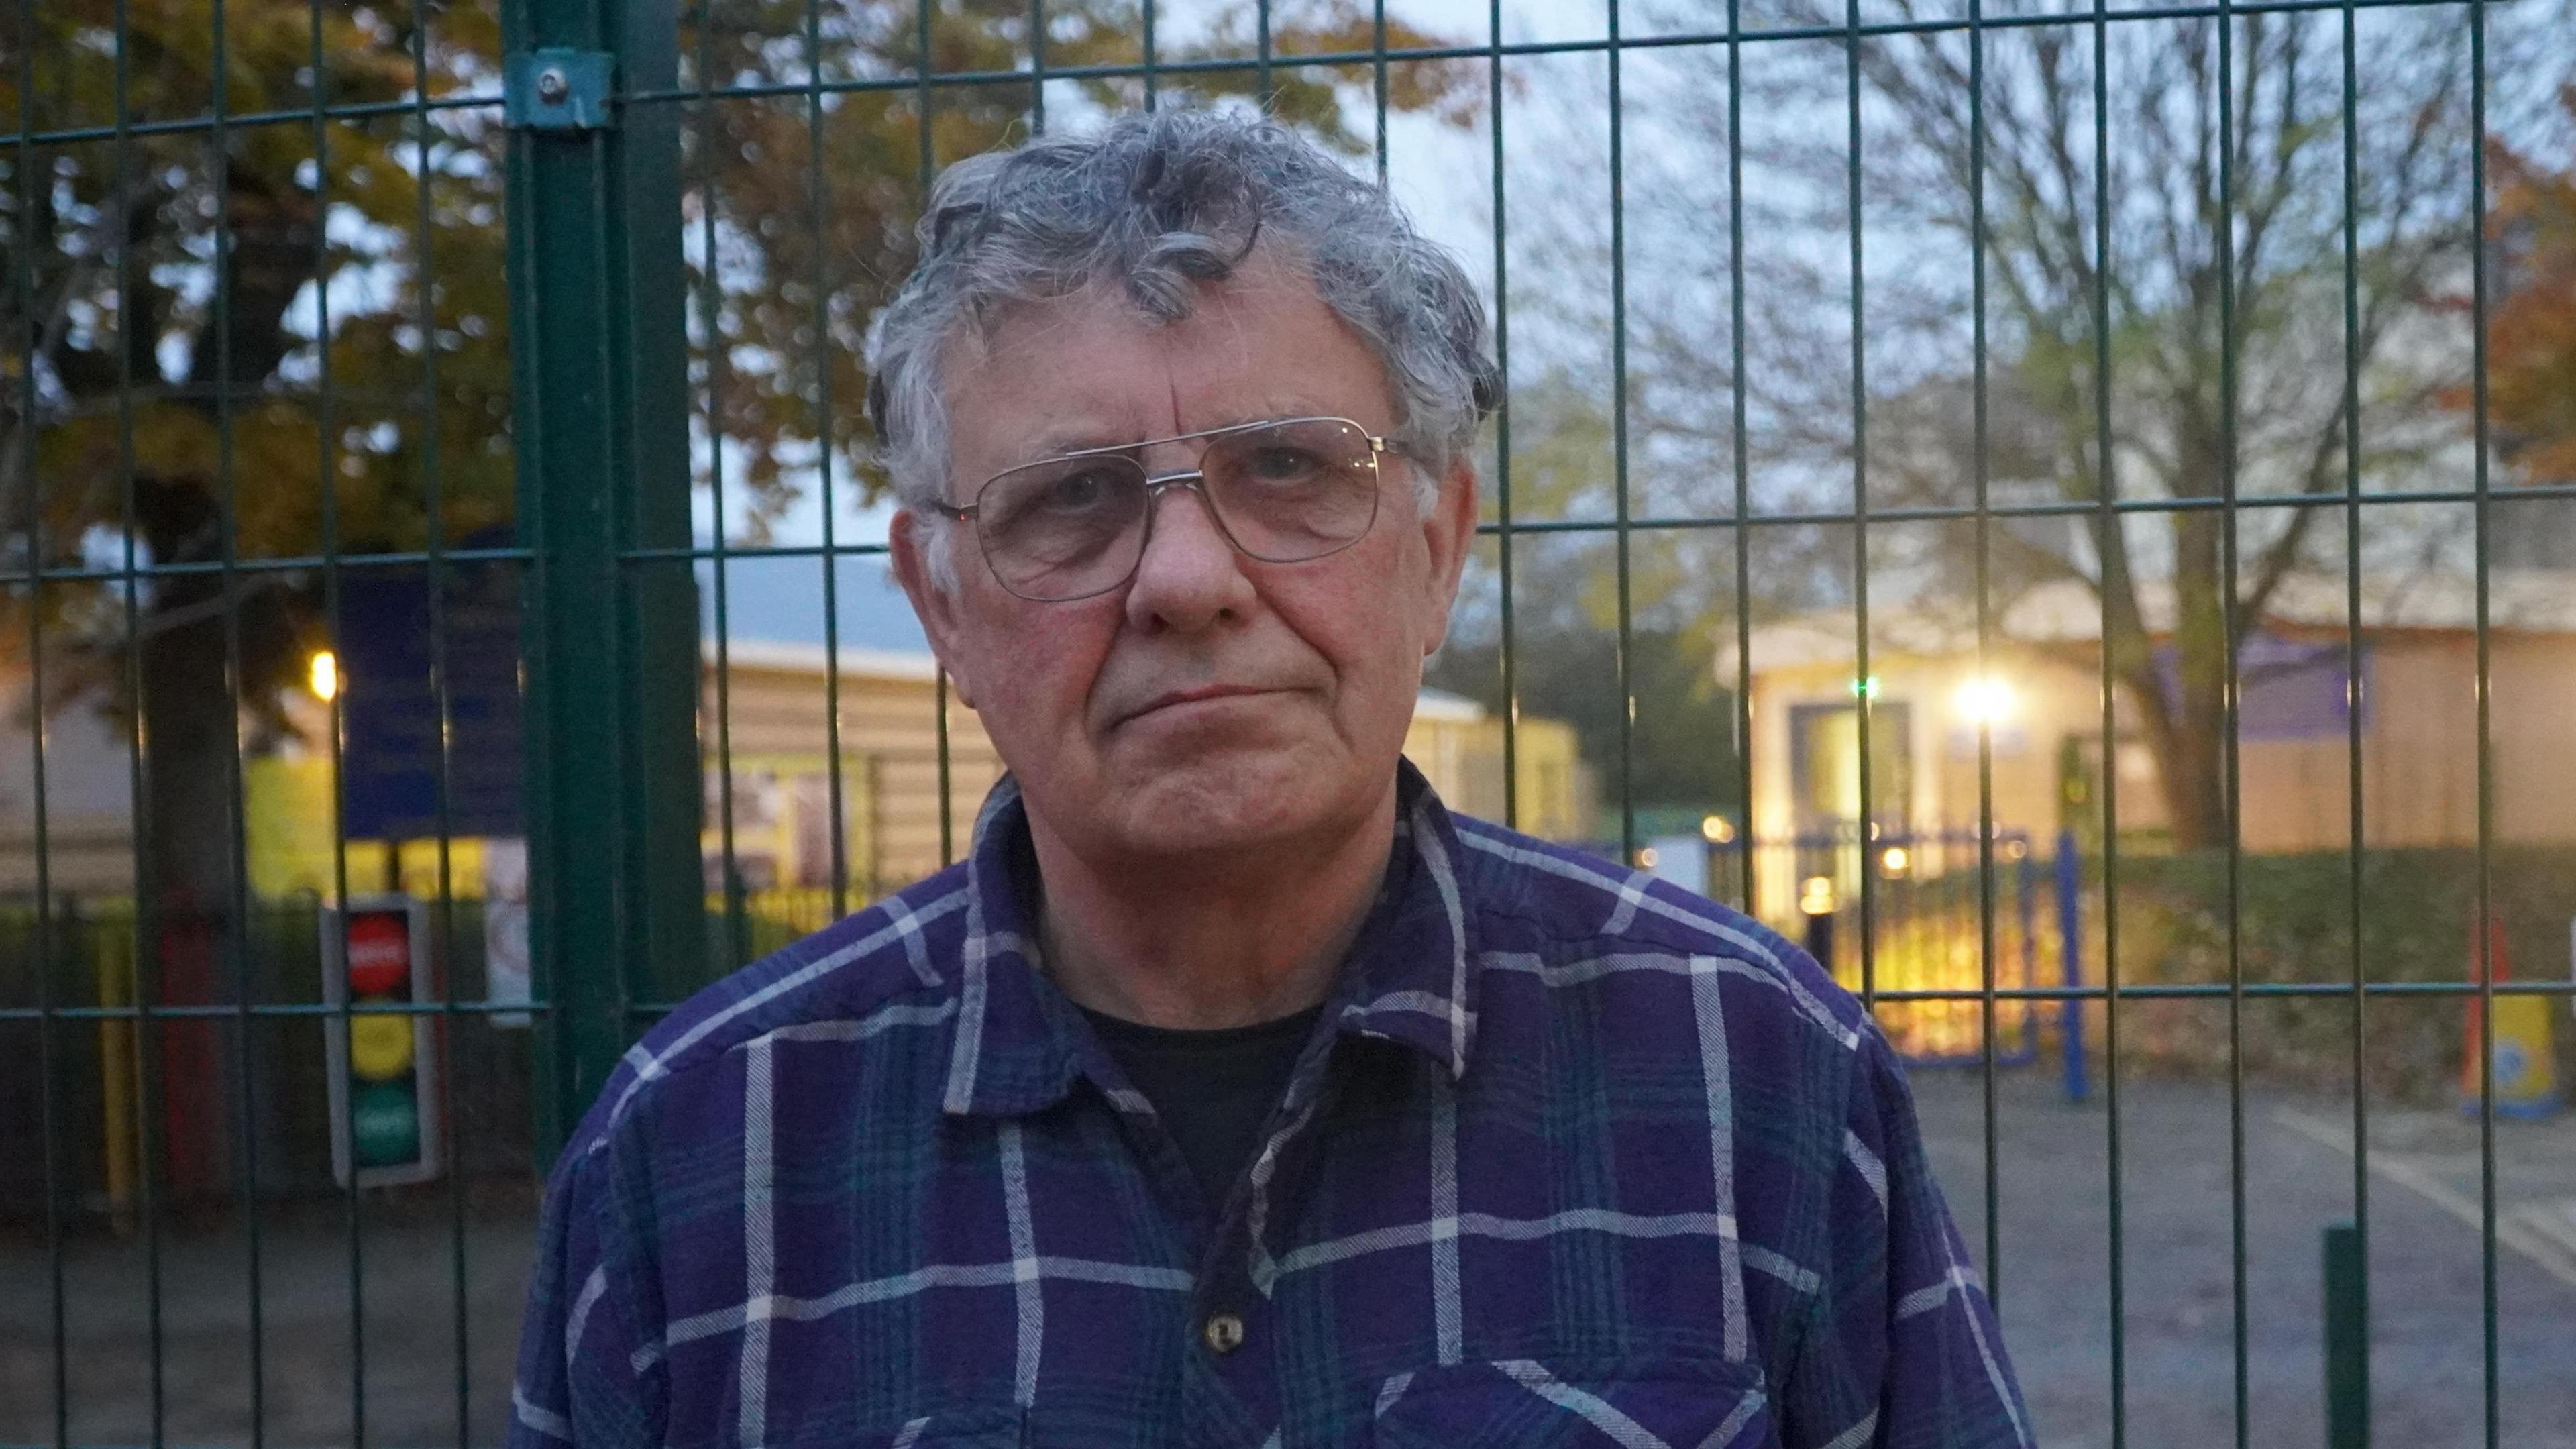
2296 927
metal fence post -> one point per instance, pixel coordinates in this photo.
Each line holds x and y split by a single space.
599 352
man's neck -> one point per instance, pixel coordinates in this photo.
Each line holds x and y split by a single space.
1208 944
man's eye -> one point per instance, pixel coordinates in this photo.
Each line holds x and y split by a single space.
1279 464
1078 491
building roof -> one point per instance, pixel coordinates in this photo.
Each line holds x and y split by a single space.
2068 611
775 620
861 662
857 660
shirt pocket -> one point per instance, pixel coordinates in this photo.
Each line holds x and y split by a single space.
1562 1403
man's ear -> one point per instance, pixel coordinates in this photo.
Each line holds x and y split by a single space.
1448 531
910 543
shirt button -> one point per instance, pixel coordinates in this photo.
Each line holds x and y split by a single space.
1223 1333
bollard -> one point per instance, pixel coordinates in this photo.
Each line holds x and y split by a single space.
1816 903
1820 939
2347 1338
2070 955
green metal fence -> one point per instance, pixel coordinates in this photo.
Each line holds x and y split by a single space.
2134 427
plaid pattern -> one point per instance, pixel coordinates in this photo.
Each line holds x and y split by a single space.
1574 1157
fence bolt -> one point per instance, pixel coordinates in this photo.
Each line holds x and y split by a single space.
559 88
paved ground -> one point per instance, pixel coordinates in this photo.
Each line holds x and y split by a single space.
2428 1359
409 1285
2178 1305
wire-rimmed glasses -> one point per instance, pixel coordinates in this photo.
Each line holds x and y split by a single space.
1074 526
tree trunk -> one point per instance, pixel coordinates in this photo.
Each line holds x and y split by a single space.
185 893
2188 688
189 737
2193 763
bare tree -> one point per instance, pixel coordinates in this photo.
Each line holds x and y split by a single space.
2167 196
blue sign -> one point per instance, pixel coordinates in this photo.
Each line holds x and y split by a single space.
2286 689
391 751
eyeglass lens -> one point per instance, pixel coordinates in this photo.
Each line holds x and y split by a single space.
1071 527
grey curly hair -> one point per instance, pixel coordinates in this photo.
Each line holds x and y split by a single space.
1160 204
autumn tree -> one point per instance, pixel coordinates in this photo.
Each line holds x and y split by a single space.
2531 329
236 334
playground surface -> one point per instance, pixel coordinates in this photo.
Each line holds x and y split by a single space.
2179 1384
2178 1279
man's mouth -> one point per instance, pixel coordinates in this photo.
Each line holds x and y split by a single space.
1197 694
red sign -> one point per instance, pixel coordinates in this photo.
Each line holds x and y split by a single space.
379 953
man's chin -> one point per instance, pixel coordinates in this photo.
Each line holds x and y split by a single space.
1239 799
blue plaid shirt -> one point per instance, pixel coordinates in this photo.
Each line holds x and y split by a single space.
1573 1157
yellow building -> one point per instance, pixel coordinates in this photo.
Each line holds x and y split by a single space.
777 741
764 729
2040 691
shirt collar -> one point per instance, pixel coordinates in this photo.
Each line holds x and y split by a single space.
1015 1046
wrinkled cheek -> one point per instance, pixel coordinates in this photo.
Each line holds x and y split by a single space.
1026 718
1034 708
1396 685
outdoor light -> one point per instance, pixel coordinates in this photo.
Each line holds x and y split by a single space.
1986 700
1647 858
1816 896
323 677
1716 829
1895 859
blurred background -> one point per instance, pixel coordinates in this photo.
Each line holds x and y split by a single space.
2069 512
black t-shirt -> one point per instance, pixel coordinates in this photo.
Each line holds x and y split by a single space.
1213 1090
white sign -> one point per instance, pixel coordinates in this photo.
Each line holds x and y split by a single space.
505 928
1681 859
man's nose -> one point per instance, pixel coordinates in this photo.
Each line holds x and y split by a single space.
1190 576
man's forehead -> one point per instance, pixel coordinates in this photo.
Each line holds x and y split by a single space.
1090 370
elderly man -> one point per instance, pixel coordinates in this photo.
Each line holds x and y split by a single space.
1234 1092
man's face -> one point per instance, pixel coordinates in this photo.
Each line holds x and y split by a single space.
1215 702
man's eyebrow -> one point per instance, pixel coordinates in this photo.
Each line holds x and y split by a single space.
1276 409
1057 442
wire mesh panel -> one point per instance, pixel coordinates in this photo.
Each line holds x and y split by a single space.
2068 511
